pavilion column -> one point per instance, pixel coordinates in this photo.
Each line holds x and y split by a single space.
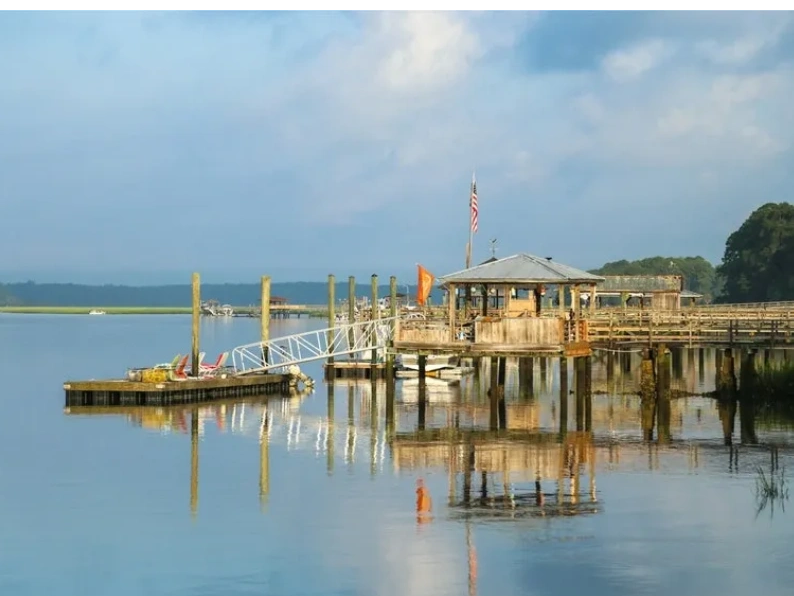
508 298
484 304
576 300
561 296
592 299
452 307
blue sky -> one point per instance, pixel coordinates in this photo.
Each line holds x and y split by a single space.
141 146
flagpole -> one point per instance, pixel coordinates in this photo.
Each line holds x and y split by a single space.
471 230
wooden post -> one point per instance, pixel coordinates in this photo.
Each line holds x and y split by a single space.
264 317
394 327
561 297
351 311
374 316
196 287
422 390
592 299
563 396
451 307
331 315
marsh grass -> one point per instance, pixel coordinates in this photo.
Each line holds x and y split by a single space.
770 489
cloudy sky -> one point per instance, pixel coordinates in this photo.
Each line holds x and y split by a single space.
140 145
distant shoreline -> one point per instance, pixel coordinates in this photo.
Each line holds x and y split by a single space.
84 310
132 310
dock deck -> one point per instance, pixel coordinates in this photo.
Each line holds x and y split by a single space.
121 392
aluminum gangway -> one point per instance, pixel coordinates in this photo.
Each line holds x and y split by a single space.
278 354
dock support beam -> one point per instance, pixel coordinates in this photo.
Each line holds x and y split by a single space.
264 316
196 323
351 309
563 397
331 316
375 316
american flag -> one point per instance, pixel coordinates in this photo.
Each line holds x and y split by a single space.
473 202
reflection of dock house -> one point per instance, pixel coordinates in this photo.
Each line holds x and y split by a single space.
519 324
656 292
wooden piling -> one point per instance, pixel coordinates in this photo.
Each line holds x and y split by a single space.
351 310
563 397
331 315
264 318
663 380
393 315
375 312
196 325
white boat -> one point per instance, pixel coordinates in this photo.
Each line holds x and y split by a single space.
434 362
96 312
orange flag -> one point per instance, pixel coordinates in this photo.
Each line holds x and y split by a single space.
426 280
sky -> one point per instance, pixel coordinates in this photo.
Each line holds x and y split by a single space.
141 146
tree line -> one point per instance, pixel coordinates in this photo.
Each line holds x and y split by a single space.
757 266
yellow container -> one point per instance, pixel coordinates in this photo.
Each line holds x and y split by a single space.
154 375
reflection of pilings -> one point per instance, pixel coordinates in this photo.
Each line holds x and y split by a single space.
351 425
329 439
501 393
677 358
194 461
663 370
563 397
647 395
390 405
581 378
493 395
701 366
610 370
526 377
726 393
544 369
264 458
747 389
373 425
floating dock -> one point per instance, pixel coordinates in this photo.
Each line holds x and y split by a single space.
355 369
121 392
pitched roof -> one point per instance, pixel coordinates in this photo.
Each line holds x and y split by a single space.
521 268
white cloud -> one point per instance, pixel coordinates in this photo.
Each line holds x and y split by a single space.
382 116
631 63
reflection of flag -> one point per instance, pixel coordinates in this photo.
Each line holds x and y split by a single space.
425 285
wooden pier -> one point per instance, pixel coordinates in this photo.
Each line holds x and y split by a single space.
129 393
172 385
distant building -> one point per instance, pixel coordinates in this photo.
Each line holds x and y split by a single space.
656 292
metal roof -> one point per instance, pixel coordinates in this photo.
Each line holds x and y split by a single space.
690 294
640 283
521 269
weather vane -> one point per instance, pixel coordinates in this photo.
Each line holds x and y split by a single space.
493 247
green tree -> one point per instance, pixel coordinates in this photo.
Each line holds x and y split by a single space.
699 275
758 264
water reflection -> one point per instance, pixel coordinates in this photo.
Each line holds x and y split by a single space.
542 456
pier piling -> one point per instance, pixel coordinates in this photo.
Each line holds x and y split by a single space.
196 322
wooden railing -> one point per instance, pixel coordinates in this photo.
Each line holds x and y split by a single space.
767 328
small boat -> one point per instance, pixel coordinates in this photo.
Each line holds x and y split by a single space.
434 362
96 312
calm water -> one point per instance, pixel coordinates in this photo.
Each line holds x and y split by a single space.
107 504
